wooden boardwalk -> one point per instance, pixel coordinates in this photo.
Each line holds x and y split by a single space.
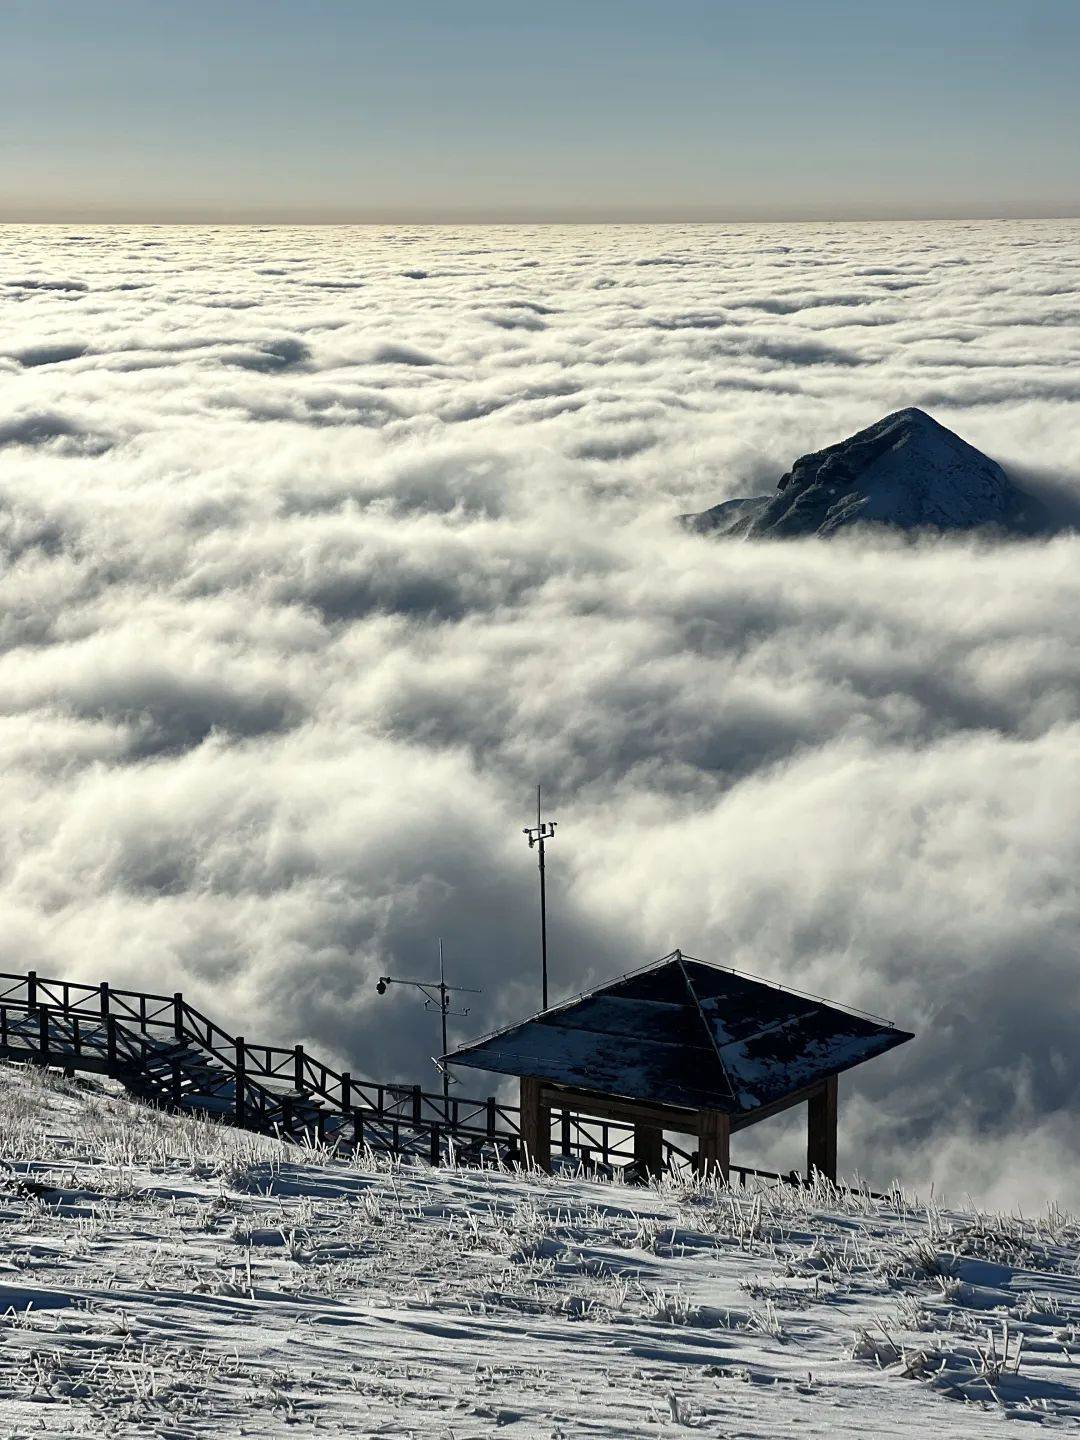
168 1053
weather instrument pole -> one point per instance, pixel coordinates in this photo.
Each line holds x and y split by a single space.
436 995
537 834
442 1011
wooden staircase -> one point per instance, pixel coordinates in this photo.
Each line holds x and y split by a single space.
176 1071
168 1053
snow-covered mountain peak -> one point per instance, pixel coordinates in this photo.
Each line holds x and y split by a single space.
907 470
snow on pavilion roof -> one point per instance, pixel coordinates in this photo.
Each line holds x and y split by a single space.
686 1034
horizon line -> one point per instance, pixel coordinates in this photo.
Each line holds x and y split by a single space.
215 219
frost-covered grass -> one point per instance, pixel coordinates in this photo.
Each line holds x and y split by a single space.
169 1277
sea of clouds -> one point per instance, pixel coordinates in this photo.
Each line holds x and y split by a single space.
320 547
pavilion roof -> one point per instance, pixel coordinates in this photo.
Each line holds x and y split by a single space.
686 1034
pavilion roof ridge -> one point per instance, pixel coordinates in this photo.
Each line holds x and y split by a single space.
714 1047
841 1005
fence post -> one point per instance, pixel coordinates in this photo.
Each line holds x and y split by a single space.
43 1031
104 987
358 1129
564 1127
110 1040
178 1015
239 1081
346 1090
491 1115
31 989
177 1082
298 1067
436 1148
417 1103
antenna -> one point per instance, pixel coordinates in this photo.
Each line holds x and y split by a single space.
537 834
436 997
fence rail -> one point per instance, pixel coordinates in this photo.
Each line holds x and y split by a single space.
167 1051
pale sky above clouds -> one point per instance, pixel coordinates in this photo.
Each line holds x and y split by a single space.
570 109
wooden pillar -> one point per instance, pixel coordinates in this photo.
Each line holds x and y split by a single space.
821 1132
714 1143
535 1124
649 1149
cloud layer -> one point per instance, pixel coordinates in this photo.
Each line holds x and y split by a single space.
320 547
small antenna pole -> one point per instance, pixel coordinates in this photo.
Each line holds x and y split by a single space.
537 834
436 995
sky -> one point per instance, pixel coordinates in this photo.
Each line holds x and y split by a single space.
493 110
320 547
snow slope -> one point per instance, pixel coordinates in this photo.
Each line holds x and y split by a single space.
906 470
166 1277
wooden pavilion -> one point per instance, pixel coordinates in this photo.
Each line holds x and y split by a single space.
685 1047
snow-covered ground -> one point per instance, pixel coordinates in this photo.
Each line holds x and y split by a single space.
167 1277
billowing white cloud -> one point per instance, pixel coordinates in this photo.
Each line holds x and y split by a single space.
320 547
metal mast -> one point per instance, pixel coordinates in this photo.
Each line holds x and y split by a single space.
537 834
